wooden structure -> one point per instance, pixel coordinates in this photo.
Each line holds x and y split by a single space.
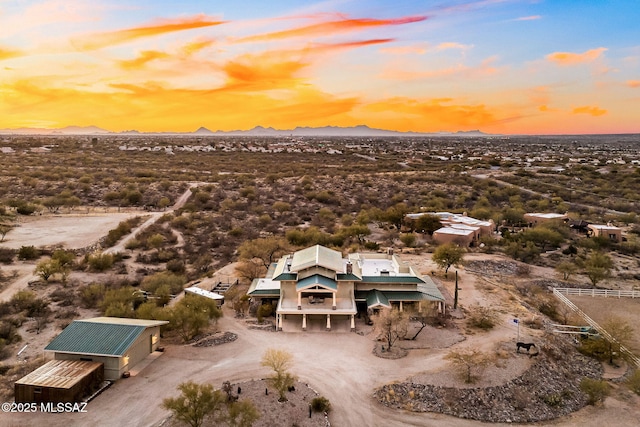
60 381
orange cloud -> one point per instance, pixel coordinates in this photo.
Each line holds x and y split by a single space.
594 111
196 46
569 58
404 50
145 57
100 40
331 27
433 113
8 53
452 45
279 68
633 83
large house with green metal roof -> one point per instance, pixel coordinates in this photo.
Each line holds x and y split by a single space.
117 343
317 284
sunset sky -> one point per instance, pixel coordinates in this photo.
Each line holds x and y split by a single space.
500 66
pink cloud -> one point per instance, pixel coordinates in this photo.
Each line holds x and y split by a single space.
633 83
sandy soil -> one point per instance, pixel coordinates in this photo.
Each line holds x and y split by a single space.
340 366
601 309
70 231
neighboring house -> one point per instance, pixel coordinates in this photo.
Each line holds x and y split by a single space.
318 284
115 342
460 229
459 236
609 231
533 219
60 381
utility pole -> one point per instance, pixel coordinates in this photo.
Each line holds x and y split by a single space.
455 295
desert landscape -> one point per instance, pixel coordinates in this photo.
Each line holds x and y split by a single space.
344 366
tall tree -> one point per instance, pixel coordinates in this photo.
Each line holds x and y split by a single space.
621 332
195 403
447 255
598 267
280 361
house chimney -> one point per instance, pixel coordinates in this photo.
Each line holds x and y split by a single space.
390 251
349 268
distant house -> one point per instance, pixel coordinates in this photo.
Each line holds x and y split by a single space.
318 285
458 228
608 231
60 381
117 343
533 219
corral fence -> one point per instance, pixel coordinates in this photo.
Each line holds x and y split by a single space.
598 292
625 351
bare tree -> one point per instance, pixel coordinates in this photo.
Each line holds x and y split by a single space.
391 324
469 363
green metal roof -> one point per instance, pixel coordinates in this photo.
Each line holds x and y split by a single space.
286 276
104 339
317 280
375 298
391 279
349 276
430 289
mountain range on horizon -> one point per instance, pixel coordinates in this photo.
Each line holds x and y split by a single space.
360 130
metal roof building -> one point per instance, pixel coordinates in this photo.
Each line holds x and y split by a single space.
60 381
118 343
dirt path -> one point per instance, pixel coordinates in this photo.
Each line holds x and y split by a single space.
120 246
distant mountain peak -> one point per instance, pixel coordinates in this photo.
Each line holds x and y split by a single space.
203 130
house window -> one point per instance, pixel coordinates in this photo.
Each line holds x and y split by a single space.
86 359
37 390
612 236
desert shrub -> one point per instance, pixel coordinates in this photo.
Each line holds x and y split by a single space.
482 317
596 390
28 253
174 282
6 255
634 382
91 295
100 261
553 399
26 209
176 266
265 310
320 404
132 244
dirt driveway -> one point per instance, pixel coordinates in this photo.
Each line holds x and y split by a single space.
340 366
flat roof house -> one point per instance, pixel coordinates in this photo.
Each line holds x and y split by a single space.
535 218
318 285
117 343
609 231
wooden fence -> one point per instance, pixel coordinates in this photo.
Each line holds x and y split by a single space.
625 351
598 292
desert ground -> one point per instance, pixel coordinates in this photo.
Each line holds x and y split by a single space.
340 366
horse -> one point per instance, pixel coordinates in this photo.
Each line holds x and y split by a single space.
526 346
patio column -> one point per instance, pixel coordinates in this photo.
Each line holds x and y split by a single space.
353 323
328 322
279 322
401 310
334 300
304 322
299 300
